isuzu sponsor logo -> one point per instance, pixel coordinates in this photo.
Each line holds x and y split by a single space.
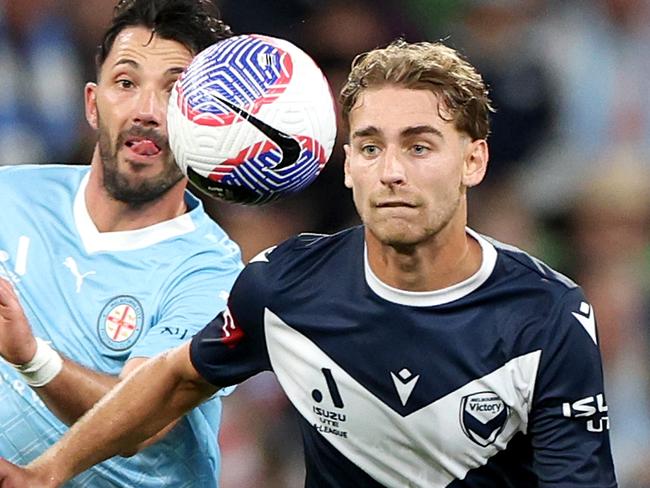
590 408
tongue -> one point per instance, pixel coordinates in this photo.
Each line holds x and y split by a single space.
145 148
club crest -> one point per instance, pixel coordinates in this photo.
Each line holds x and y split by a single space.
483 416
120 323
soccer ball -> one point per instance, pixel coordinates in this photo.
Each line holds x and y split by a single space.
251 120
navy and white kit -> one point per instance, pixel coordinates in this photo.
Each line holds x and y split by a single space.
493 382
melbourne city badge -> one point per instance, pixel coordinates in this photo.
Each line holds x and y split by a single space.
120 323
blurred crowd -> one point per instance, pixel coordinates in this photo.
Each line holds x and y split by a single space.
569 176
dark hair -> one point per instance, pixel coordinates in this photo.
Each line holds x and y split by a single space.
193 23
429 66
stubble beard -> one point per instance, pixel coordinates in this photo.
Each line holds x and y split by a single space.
122 187
405 235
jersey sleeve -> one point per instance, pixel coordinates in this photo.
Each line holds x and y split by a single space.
191 300
569 423
232 347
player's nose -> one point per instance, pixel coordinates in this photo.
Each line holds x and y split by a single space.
391 169
150 109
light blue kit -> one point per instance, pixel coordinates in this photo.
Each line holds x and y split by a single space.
101 299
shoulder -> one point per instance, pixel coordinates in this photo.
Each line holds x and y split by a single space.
528 267
303 258
33 178
48 187
207 240
535 304
42 170
309 244
534 285
307 249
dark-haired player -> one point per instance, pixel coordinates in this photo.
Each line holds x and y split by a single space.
115 262
417 352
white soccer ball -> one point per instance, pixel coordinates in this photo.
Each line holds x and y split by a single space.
251 119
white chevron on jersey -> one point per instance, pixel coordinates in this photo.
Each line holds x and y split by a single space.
427 448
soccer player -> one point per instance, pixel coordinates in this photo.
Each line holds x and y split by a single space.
417 352
115 262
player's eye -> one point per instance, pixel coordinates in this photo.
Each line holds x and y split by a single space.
419 149
124 83
369 150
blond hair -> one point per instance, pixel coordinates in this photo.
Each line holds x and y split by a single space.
424 65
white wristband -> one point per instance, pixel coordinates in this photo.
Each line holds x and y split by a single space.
44 366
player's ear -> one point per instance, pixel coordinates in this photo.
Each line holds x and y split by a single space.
346 167
90 97
476 160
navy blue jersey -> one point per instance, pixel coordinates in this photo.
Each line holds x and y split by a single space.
493 382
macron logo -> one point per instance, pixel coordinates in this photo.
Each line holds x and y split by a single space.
404 382
586 318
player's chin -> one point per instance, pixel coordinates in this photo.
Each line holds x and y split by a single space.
397 232
151 164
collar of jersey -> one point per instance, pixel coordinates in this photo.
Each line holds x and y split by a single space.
95 241
436 297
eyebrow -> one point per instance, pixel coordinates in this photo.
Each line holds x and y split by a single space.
422 129
135 65
409 131
365 132
130 62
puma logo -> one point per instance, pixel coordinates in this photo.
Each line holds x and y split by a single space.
71 264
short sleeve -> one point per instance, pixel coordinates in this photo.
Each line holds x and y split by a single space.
232 347
569 423
191 300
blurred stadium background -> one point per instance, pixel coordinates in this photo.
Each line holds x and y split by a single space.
569 176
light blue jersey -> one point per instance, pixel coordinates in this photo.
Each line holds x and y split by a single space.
101 299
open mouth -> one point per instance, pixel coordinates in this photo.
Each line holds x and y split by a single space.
142 146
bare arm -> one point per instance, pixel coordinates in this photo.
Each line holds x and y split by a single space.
157 393
75 389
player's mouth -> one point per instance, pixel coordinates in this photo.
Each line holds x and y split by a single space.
395 204
142 148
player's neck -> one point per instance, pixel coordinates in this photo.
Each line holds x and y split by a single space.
448 258
110 215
